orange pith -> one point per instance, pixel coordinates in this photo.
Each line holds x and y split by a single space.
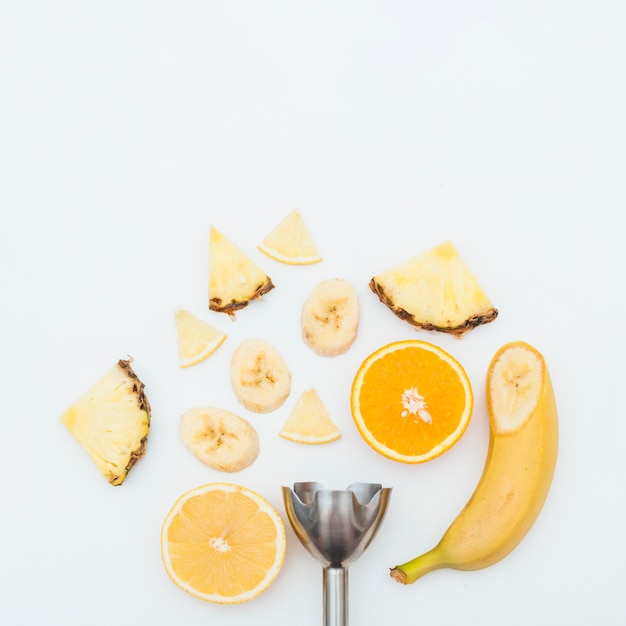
411 401
223 543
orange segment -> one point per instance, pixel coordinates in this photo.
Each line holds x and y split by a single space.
291 242
309 421
223 543
197 340
411 401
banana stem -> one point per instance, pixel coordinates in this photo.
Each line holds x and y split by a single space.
410 571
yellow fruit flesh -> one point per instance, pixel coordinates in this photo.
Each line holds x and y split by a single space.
309 422
197 340
234 279
435 290
291 242
231 544
223 543
111 422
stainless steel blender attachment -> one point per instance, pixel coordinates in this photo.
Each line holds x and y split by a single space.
336 526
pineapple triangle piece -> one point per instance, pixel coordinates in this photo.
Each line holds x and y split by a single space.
197 340
234 279
309 421
111 422
435 290
291 242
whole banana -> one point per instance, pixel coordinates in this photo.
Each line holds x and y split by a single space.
518 470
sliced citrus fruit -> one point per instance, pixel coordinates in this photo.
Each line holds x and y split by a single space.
435 290
309 421
291 242
223 543
411 401
234 279
196 339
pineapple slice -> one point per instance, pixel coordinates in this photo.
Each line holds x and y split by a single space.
291 242
309 421
435 290
234 279
111 422
197 340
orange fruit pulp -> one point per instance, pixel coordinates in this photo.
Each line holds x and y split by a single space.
223 543
411 401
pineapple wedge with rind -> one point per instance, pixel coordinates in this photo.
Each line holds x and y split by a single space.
111 421
435 290
234 279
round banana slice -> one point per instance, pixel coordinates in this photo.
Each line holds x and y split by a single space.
219 438
330 317
259 376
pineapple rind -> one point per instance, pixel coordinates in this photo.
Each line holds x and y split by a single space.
217 303
111 421
435 291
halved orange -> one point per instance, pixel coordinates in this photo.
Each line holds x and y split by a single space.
411 401
223 543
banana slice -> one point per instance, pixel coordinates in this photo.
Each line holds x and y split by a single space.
259 376
219 438
330 317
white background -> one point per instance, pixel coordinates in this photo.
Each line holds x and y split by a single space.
128 128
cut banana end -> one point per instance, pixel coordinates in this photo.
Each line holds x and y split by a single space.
309 421
111 421
330 317
291 242
259 376
234 279
197 340
219 438
435 290
515 384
